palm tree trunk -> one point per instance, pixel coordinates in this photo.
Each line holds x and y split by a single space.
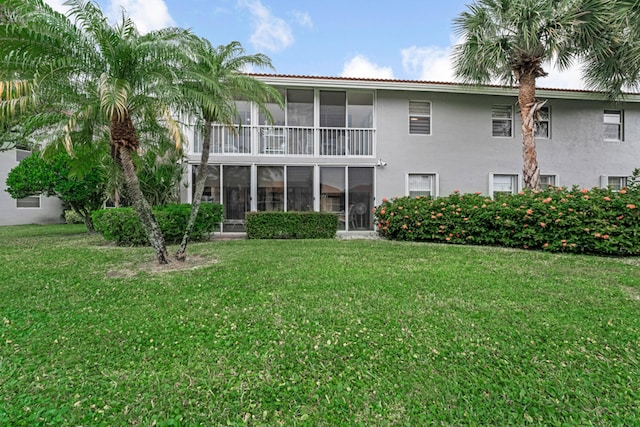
526 100
201 178
123 137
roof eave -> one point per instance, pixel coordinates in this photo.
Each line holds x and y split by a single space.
426 86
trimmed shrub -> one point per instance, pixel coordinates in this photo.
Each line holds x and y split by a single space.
123 226
596 221
291 225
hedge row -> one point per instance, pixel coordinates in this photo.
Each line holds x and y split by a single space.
123 226
596 221
291 225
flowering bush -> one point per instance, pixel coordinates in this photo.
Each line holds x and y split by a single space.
596 221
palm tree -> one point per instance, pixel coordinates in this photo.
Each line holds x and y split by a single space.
612 60
215 80
79 67
510 40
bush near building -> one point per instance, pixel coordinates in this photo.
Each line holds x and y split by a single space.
596 221
123 226
291 225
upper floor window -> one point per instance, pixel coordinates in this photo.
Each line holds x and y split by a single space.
333 109
420 117
421 185
613 125
543 126
360 110
300 107
502 120
276 112
352 109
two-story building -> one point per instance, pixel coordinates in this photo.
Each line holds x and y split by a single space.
342 144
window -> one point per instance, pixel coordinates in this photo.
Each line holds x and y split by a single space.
543 126
211 191
548 180
421 185
615 183
360 110
28 202
277 113
504 184
243 116
420 117
299 188
333 109
613 125
300 107
501 120
270 188
332 192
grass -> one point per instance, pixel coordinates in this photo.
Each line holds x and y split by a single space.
319 333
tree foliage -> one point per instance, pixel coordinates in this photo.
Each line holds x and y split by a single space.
52 176
80 71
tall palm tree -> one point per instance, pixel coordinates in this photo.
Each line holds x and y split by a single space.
215 80
612 60
79 67
510 40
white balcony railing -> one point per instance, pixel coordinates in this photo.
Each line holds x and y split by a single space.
290 141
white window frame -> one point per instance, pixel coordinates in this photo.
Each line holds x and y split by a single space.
515 182
413 116
619 123
503 108
605 181
435 183
556 179
547 121
24 199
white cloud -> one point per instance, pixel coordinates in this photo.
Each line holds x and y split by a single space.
303 19
270 32
57 5
567 79
360 66
433 63
430 63
148 15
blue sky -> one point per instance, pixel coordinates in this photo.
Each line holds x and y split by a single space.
402 39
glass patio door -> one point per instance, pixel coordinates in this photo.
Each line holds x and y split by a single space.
360 198
236 188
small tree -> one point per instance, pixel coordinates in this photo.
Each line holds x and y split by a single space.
79 67
215 80
53 176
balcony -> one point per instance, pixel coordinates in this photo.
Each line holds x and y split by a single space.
290 141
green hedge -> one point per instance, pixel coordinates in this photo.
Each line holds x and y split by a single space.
596 221
123 226
291 225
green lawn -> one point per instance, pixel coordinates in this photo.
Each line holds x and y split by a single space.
318 333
